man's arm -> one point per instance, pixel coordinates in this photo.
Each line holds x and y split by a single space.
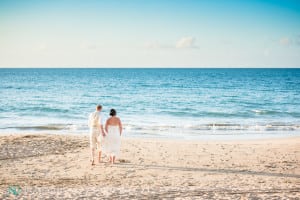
101 122
102 130
120 126
106 126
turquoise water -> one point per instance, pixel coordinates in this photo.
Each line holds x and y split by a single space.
179 103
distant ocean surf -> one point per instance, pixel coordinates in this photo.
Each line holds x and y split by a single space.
176 103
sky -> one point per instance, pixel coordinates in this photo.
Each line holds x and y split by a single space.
156 33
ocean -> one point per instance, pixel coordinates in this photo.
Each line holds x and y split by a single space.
160 103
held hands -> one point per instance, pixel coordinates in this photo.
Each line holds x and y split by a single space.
103 134
103 131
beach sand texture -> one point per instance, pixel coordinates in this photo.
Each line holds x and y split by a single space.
57 166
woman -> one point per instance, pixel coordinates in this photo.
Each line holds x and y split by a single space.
112 142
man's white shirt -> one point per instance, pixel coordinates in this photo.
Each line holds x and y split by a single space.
95 120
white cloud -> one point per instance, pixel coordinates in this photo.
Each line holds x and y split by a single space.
42 47
285 41
290 41
153 45
157 45
186 42
89 46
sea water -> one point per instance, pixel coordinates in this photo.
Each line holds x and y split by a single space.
171 103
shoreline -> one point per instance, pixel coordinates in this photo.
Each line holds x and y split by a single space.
198 138
48 165
125 137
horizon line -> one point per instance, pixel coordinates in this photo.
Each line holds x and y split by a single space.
79 67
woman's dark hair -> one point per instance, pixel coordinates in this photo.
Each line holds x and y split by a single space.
112 112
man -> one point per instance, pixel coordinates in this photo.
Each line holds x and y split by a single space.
96 128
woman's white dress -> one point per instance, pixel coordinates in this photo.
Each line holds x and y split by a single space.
112 141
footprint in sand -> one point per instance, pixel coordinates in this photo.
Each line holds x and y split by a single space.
124 161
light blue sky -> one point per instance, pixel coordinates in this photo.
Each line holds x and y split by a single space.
214 33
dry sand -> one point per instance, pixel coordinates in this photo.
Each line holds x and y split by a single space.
56 166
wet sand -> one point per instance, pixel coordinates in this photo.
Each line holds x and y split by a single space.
54 166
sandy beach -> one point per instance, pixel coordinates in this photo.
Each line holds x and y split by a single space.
55 166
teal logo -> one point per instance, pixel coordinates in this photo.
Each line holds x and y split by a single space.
14 190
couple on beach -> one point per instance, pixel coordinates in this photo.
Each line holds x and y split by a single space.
107 138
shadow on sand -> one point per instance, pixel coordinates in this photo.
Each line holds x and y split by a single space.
193 169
